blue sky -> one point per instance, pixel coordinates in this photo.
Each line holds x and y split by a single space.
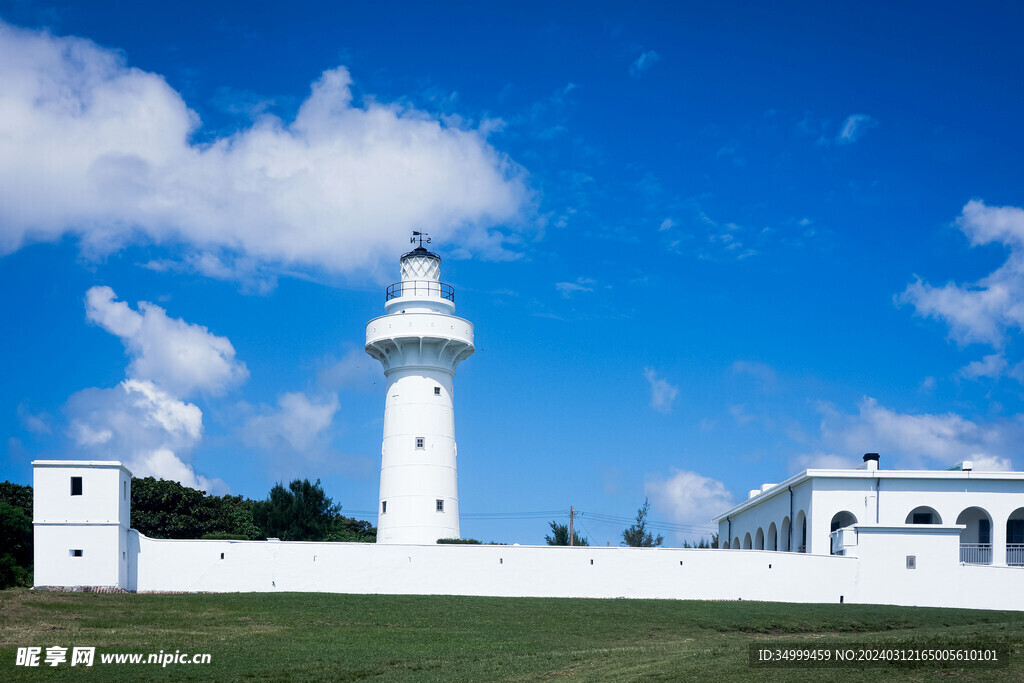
705 245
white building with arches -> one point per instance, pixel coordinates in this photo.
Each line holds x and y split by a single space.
827 511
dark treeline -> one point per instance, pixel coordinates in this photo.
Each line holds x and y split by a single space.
15 535
166 509
300 512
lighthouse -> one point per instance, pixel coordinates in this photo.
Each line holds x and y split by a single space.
419 341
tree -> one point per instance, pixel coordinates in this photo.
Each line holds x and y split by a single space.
703 542
15 546
637 536
16 555
166 509
302 512
560 535
233 516
17 495
352 530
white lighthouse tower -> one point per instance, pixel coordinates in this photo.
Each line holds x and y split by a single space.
419 342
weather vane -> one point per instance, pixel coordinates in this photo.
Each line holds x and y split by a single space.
419 235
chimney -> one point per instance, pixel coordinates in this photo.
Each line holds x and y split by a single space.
871 461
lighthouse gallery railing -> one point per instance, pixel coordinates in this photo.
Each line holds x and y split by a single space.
421 288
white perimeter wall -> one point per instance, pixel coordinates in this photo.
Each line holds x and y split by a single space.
878 576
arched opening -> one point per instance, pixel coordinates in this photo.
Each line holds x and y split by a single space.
923 515
759 539
772 542
976 539
725 546
840 520
746 542
800 532
1015 538
785 535
736 543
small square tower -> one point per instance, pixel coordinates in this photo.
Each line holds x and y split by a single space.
81 517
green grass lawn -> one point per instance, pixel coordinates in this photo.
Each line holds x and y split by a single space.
305 636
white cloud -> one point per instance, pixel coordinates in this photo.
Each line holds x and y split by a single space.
918 440
821 460
135 415
40 424
86 435
643 63
163 410
759 371
249 272
854 127
164 464
1017 372
985 310
689 498
722 240
667 224
739 413
987 463
582 284
180 357
992 365
299 425
663 394
92 147
143 426
355 370
141 421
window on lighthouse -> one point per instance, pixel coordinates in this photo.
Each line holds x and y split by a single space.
440 505
437 391
384 507
419 442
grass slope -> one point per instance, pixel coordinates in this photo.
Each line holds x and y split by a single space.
302 636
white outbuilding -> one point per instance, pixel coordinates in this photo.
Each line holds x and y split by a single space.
81 511
828 511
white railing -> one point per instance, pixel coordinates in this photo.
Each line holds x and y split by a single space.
976 553
1015 554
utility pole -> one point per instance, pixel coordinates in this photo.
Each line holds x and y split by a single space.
572 514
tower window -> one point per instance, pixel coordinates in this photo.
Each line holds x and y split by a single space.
437 391
439 505
76 486
75 552
419 442
383 507
125 485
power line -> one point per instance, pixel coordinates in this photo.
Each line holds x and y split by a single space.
562 514
653 524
